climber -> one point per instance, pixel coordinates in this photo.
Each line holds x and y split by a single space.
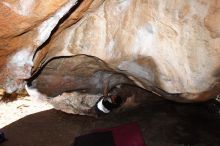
109 100
107 103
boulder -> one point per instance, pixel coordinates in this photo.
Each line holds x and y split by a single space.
170 47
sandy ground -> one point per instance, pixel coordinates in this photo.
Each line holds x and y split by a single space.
161 123
11 111
26 121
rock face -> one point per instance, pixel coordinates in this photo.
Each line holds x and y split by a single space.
171 45
24 27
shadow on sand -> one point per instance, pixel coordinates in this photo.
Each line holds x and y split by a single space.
163 123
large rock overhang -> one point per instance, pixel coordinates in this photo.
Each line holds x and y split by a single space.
169 45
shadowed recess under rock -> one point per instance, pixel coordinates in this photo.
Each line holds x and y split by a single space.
80 73
76 83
